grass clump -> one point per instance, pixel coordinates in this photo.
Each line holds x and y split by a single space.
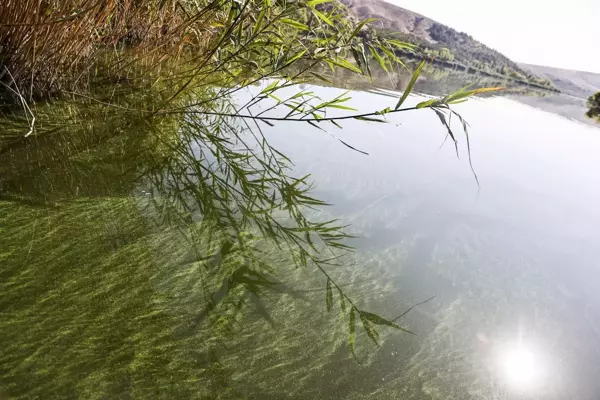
52 46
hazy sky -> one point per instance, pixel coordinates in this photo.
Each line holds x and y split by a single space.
557 33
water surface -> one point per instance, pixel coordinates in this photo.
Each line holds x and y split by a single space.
103 283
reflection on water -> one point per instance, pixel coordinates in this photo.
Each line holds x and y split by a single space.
161 263
512 264
437 81
121 274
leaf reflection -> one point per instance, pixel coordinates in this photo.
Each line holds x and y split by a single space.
125 254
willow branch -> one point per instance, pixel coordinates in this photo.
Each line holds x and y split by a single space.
324 119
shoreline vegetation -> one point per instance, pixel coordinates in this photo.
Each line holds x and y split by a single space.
456 66
444 58
594 107
175 70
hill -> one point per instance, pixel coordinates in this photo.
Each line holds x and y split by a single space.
440 41
580 84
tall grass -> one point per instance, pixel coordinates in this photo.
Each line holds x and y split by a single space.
51 46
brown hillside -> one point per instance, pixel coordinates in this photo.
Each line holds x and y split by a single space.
392 17
428 34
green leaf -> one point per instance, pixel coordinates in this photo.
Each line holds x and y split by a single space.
462 94
384 111
295 24
357 57
330 64
428 103
259 20
270 88
277 99
321 77
442 118
370 119
380 60
336 244
322 17
329 295
296 57
363 23
401 45
391 55
370 330
314 3
341 107
378 320
301 94
340 62
412 82
342 300
351 333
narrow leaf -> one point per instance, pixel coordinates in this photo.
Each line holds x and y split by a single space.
428 103
360 151
314 3
295 24
370 119
378 320
259 20
321 77
461 94
322 17
340 62
380 60
412 82
270 88
296 57
351 332
363 23
342 300
329 295
341 107
371 332
401 45
442 118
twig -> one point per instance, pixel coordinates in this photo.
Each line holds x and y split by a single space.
407 311
343 117
385 196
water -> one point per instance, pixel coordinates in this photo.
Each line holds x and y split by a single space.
107 267
512 263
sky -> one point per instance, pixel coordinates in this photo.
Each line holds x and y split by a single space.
556 33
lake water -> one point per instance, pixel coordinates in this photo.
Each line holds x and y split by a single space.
100 295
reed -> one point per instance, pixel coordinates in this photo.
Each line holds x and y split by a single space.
51 46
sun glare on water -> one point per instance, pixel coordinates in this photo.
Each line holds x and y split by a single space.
519 365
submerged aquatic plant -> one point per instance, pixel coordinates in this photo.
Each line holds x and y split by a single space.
218 198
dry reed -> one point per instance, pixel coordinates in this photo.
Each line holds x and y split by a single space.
49 46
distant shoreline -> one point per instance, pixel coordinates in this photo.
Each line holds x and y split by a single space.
475 71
